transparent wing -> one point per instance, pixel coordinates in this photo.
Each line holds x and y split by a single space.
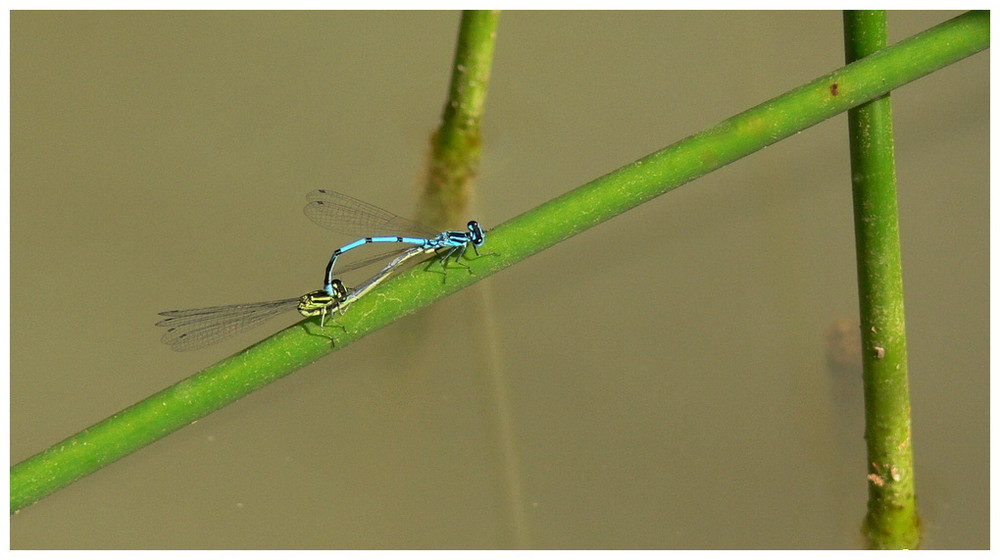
370 284
344 214
191 329
386 256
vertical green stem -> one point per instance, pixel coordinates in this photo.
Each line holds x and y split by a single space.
455 146
892 520
454 164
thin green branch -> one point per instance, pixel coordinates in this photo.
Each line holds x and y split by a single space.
892 520
456 146
511 242
453 166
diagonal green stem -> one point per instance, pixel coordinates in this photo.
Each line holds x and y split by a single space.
513 241
892 512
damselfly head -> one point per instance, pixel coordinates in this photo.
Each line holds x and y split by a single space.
476 234
318 302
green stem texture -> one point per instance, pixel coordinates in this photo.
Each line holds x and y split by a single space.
456 146
892 520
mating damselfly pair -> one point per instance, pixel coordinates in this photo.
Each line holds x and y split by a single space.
191 329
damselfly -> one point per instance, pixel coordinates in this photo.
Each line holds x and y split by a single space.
345 214
191 329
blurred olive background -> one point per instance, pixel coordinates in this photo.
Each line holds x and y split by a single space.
684 376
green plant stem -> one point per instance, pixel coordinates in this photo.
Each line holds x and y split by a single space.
511 242
453 166
456 145
892 520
